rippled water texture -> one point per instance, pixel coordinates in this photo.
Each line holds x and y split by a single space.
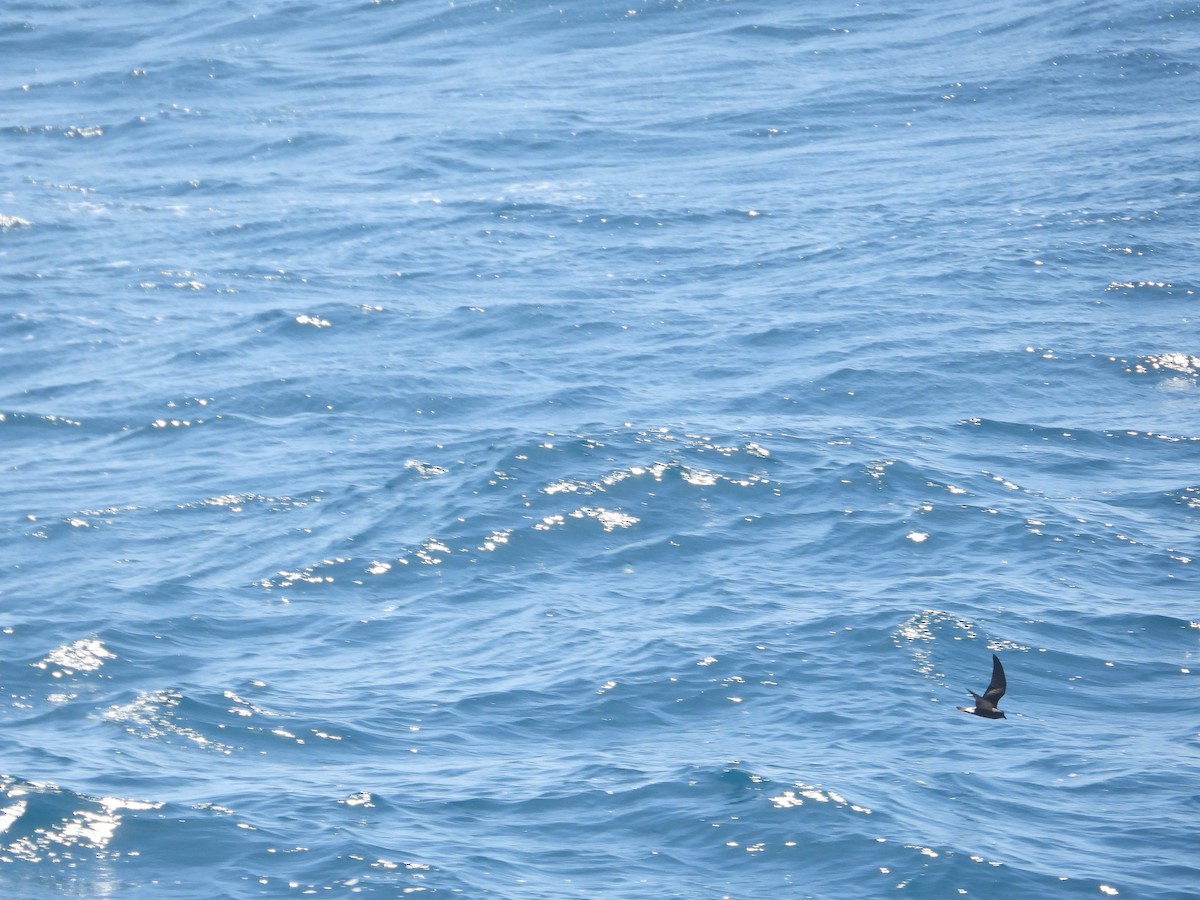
511 450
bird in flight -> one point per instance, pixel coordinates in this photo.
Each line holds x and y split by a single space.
986 705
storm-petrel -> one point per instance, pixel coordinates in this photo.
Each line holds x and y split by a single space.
986 705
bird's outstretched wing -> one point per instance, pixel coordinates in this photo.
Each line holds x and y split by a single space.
980 703
995 690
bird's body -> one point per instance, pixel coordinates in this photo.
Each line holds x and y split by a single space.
986 705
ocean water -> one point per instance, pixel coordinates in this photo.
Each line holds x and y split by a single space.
580 450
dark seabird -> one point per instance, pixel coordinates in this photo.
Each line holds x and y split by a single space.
986 705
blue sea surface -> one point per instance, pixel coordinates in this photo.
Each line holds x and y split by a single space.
588 450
